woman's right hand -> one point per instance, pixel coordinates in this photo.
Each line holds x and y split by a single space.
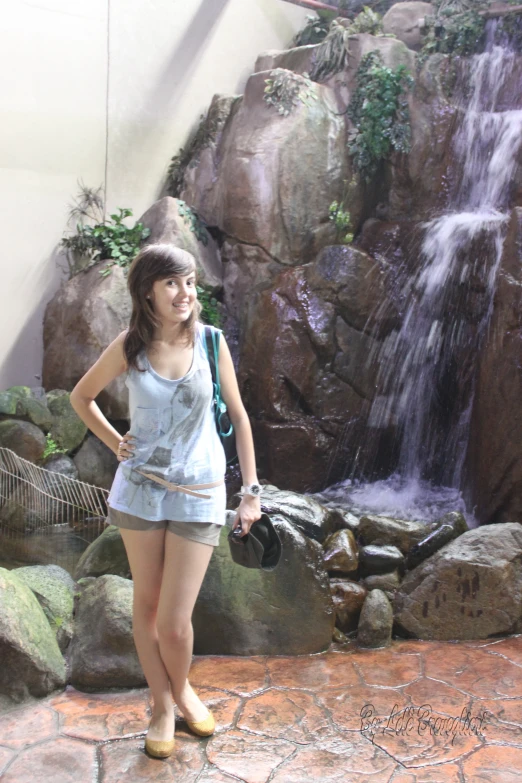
126 447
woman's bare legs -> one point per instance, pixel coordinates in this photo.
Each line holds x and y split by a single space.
145 551
185 566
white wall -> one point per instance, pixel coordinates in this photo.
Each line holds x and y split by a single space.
52 132
102 87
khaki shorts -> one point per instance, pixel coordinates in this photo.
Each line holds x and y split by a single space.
202 532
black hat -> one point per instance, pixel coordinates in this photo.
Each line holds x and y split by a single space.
260 548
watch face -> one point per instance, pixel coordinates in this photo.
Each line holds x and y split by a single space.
255 489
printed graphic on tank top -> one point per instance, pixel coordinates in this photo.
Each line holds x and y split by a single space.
176 439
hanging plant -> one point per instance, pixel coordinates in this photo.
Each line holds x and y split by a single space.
379 111
196 225
332 55
106 239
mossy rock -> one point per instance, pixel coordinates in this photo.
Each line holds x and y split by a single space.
55 594
8 404
67 429
32 663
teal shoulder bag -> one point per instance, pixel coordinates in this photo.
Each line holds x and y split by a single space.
223 424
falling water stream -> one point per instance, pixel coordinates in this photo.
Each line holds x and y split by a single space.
427 368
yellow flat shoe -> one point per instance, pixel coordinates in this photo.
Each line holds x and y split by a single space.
203 727
160 749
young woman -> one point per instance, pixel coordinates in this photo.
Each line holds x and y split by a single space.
168 496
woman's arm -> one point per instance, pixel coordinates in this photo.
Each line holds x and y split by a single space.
111 363
250 507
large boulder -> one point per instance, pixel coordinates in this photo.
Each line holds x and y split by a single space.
469 589
102 653
405 20
81 320
277 175
54 589
287 611
32 664
494 456
106 555
168 223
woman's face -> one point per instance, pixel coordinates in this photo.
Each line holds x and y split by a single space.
173 298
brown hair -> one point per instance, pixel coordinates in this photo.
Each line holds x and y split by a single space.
155 262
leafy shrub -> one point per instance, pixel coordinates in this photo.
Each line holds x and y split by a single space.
379 112
108 239
341 221
210 312
51 447
196 225
367 22
314 31
453 33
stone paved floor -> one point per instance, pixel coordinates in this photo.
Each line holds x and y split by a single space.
296 719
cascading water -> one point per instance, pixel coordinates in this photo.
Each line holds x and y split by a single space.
426 369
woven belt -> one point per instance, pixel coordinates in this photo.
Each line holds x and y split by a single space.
182 488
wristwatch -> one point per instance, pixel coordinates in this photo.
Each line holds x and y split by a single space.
251 489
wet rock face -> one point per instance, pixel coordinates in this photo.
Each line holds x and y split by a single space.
340 552
420 180
306 514
494 461
348 598
469 589
303 362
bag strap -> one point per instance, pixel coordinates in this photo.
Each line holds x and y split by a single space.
212 356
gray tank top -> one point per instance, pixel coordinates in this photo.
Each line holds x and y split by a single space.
176 437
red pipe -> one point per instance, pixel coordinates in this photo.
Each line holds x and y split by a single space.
316 5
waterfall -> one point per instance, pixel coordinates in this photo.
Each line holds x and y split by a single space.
427 368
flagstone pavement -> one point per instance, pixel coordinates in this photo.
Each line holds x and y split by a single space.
415 712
